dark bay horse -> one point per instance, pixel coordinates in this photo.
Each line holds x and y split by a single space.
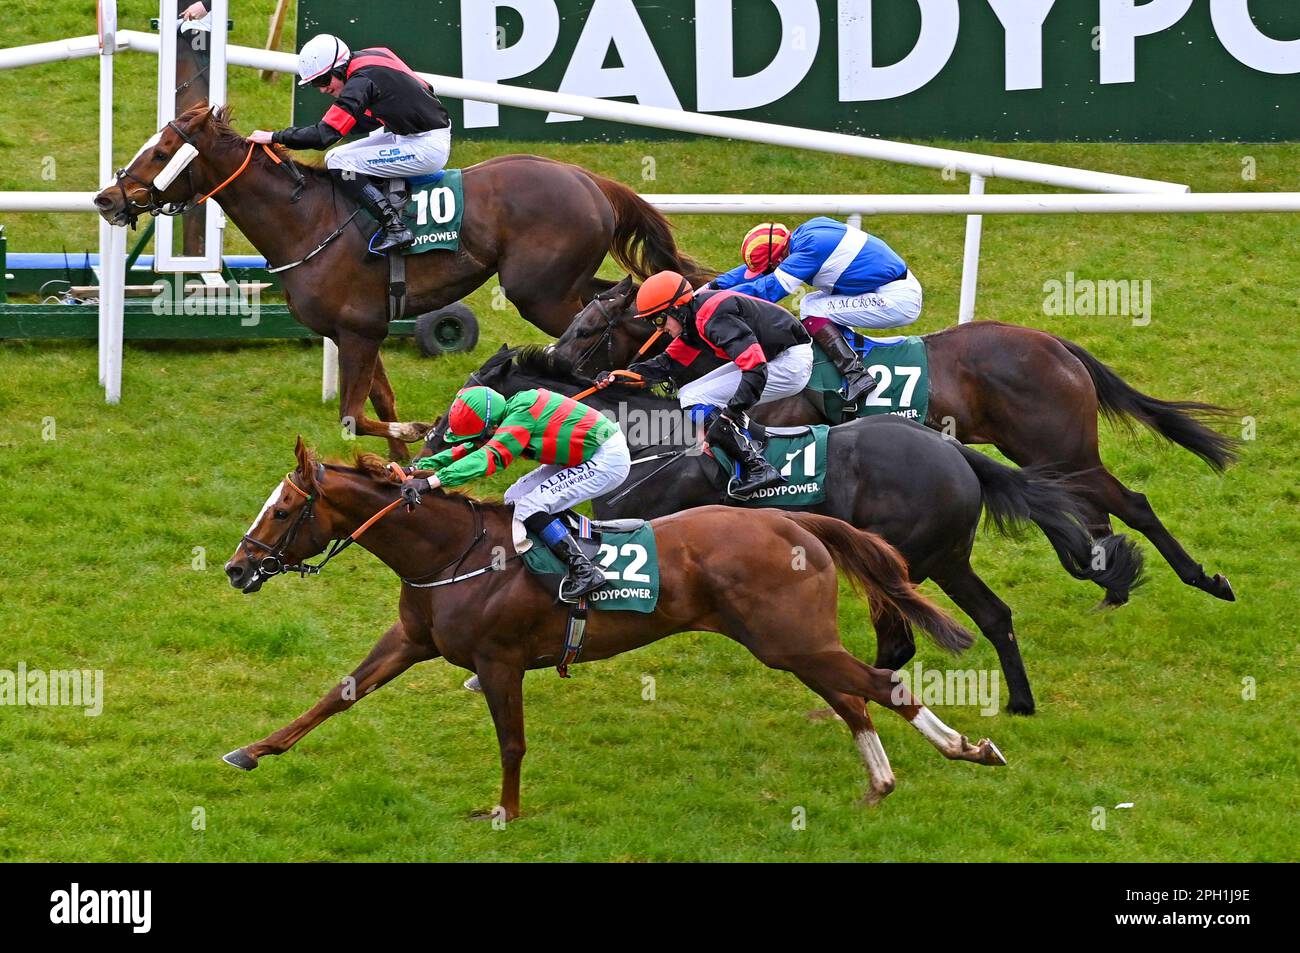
1033 395
919 491
543 227
501 623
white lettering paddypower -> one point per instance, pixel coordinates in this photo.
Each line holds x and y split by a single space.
73 906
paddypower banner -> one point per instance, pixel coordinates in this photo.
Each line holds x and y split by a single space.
1159 70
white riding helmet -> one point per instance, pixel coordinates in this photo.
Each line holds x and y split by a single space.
319 55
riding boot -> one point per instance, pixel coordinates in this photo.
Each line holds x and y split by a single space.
584 576
755 472
393 230
858 381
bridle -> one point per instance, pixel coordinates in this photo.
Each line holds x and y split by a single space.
273 562
133 209
607 336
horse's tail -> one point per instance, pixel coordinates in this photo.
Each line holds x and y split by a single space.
876 568
1179 421
1032 494
643 240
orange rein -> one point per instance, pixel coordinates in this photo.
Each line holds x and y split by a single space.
240 171
396 470
631 376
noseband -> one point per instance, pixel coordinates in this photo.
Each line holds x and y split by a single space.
132 209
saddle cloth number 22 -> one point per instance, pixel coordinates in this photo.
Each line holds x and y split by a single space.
634 552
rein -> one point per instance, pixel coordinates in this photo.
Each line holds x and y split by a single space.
273 564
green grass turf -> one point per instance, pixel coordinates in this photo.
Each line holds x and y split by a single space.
1143 704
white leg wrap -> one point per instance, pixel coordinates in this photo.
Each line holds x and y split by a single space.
873 754
936 732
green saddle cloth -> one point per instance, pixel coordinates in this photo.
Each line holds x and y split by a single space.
434 212
902 372
801 459
629 561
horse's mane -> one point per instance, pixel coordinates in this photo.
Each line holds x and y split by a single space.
535 359
228 135
376 467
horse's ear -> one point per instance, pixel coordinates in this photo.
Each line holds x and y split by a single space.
306 465
503 347
624 286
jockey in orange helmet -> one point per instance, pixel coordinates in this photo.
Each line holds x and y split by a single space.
768 354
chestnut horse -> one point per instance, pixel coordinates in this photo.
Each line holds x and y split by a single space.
543 227
721 570
1033 395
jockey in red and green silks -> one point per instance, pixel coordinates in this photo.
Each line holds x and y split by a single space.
582 453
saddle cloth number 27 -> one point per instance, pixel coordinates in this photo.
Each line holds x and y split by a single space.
884 377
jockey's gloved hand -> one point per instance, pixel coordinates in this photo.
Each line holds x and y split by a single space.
412 489
605 378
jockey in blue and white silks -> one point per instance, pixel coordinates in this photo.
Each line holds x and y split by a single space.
858 282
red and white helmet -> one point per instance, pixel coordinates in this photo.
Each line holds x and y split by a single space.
319 55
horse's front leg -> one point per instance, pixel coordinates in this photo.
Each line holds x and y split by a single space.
392 655
503 686
358 357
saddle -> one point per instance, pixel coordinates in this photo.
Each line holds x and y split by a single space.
588 543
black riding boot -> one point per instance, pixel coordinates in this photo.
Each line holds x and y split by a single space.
584 576
394 232
755 472
858 381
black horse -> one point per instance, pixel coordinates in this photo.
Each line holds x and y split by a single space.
919 490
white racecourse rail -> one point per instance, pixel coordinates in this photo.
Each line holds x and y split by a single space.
1125 194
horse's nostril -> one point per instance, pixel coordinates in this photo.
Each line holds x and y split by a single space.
103 201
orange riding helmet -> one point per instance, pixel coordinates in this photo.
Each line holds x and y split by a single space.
661 293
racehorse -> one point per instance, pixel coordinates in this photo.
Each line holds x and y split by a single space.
481 611
917 490
1033 395
543 227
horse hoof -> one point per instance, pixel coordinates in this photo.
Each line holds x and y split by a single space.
497 813
409 432
992 756
1112 600
1220 588
1020 708
472 684
240 759
875 795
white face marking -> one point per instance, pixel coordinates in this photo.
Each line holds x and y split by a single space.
153 141
873 753
935 731
270 502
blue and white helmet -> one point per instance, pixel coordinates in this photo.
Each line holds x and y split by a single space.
319 55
